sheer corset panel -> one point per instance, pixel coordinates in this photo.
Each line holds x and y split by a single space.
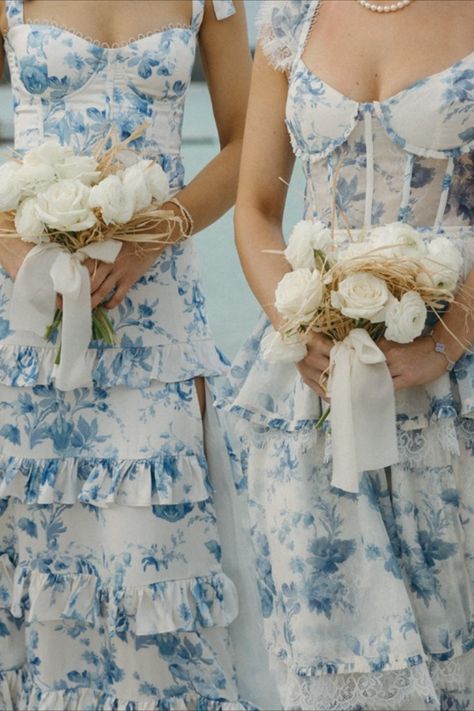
384 160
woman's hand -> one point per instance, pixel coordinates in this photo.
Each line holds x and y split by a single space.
414 363
314 366
121 275
12 254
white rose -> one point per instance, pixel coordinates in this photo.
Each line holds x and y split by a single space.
299 294
113 200
65 206
406 318
33 179
49 153
9 186
362 295
306 237
397 239
443 264
276 349
83 168
27 223
136 184
157 181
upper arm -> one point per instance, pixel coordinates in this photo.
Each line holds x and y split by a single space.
227 65
267 156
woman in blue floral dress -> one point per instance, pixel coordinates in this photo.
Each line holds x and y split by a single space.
112 593
368 598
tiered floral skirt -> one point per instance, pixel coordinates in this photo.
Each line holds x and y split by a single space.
368 599
112 594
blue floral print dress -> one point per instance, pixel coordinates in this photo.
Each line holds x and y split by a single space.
112 593
368 599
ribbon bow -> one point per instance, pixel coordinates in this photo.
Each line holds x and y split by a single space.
363 419
47 270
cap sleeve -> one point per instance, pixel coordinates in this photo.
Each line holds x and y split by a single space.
279 25
223 9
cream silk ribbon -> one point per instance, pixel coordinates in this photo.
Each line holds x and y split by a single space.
47 270
363 419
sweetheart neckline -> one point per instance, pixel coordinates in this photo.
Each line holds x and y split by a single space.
96 43
392 97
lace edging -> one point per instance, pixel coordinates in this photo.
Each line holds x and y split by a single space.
379 691
276 47
107 45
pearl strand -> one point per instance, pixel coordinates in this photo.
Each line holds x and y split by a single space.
375 7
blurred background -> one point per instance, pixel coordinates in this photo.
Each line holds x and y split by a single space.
232 308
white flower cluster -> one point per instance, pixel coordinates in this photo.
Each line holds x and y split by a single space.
360 296
53 189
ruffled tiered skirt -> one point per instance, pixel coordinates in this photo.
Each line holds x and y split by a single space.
368 599
112 593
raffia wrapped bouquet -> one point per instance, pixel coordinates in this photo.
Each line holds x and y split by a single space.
354 294
75 207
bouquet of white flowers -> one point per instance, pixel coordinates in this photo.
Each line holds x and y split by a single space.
74 207
355 293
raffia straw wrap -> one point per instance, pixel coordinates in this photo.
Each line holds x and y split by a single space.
400 275
153 226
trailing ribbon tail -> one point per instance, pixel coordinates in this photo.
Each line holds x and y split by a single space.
47 270
363 417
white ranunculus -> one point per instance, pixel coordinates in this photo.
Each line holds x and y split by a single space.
157 181
65 206
10 192
276 349
443 264
27 223
136 184
397 239
306 237
362 295
406 318
356 250
50 152
113 200
299 294
34 179
83 168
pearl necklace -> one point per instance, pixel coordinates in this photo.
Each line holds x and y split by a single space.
375 7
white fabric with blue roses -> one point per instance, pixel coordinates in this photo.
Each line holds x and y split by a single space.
112 593
368 599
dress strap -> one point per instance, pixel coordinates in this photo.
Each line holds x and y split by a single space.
14 12
306 27
222 10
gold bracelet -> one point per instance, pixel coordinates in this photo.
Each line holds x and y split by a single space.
185 217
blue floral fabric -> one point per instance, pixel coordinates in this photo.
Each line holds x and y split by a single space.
112 593
368 599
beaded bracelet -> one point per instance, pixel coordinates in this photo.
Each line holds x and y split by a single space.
441 348
185 216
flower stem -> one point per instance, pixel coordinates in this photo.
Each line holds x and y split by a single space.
323 418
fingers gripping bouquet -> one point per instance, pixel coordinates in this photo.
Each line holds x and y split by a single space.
75 207
384 286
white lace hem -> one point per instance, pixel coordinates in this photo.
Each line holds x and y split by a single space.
419 688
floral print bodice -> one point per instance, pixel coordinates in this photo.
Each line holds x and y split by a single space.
406 158
77 90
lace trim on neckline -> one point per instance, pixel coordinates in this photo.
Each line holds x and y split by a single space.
107 45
